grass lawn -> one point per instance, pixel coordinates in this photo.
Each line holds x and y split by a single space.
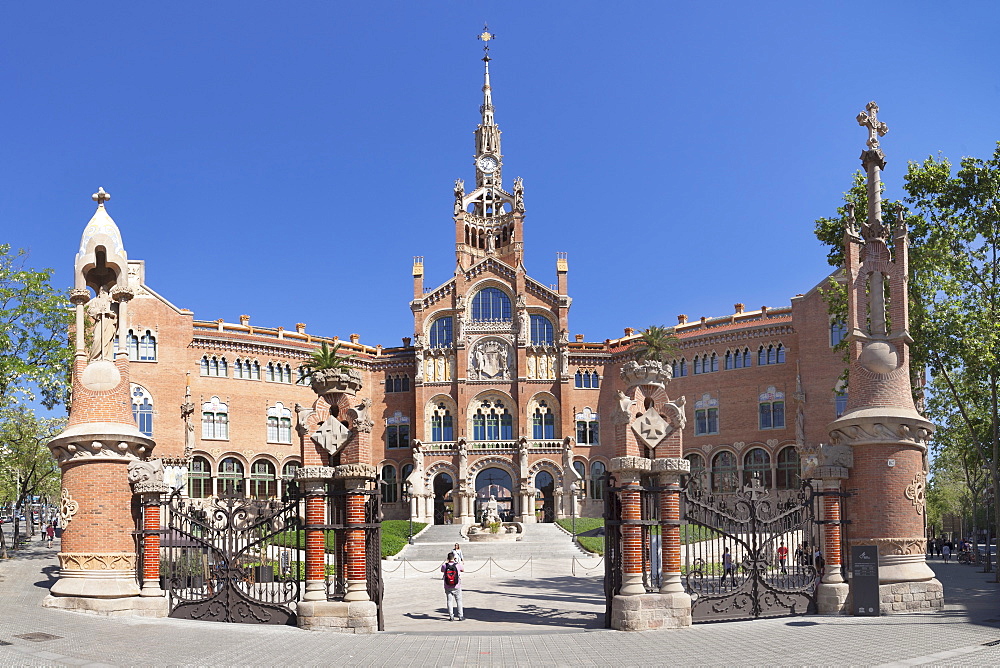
394 535
690 533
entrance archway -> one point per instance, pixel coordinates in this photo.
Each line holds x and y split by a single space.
495 482
443 485
546 485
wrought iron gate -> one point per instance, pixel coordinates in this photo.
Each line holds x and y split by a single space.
232 559
749 554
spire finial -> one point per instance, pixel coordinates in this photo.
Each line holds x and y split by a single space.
485 36
876 128
100 197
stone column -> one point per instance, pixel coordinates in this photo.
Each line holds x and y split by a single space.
356 479
312 481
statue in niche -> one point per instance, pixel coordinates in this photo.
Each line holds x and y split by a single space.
451 368
564 354
490 359
463 463
522 458
104 328
439 372
459 195
522 301
531 366
543 371
491 243
519 195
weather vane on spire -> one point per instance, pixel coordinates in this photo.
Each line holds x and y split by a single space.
485 36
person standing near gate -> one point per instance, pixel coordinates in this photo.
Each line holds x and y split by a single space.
727 568
783 558
453 587
459 557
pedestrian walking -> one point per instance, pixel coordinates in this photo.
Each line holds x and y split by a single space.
50 534
783 558
727 568
819 562
452 570
946 550
459 557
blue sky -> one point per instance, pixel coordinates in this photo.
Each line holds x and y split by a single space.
287 160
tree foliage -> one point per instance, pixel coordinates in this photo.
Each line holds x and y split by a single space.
657 343
27 467
34 325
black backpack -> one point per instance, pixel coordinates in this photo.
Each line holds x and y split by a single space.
451 575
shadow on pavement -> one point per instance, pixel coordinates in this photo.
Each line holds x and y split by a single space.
53 574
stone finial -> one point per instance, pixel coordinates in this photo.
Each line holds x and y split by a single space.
579 338
876 128
739 307
629 331
100 197
244 320
406 341
763 311
300 327
355 338
682 319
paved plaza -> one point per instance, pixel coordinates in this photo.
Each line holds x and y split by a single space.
545 617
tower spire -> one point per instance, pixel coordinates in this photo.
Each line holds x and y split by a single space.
487 108
488 156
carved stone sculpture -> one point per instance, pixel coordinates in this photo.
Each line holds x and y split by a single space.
104 327
146 476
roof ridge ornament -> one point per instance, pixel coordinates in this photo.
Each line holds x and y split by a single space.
100 196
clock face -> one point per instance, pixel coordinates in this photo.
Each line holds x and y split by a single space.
487 163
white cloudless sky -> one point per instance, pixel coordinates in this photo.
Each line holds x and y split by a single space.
287 160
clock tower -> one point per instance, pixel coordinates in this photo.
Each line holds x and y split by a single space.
488 220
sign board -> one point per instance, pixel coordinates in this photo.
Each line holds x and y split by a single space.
864 581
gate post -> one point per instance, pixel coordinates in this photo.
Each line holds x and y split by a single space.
147 483
356 477
628 471
312 481
832 591
671 469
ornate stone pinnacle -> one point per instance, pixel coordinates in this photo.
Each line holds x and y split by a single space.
876 128
100 197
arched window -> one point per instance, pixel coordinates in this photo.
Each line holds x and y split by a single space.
289 469
757 464
199 478
543 422
230 476
492 422
215 419
541 331
255 370
390 486
680 368
724 472
838 331
263 484
715 362
697 465
223 368
269 373
771 405
442 426
491 305
441 333
771 355
788 468
132 345
214 366
728 364
706 416
142 409
147 347
303 376
587 427
279 424
761 356
781 354
407 470
397 431
697 365
397 382
597 481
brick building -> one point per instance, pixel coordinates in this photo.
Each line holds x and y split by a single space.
492 392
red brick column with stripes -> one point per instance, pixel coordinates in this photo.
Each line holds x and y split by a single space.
670 530
832 533
151 544
312 481
357 479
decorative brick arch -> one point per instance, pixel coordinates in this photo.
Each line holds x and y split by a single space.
439 467
547 465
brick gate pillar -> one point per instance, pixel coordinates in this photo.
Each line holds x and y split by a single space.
357 479
881 428
148 486
98 559
312 481
832 592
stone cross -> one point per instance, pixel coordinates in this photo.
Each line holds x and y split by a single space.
876 128
100 197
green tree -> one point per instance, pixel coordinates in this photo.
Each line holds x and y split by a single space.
326 358
657 343
34 325
27 467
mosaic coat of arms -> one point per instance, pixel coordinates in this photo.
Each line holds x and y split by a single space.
490 359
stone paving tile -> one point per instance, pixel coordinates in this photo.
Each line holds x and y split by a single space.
954 637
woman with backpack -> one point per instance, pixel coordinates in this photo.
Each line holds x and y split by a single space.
452 570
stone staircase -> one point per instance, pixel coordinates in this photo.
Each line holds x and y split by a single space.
539 541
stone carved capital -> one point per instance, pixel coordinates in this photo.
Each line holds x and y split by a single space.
914 431
309 473
648 373
348 471
630 465
79 296
677 465
895 546
146 477
122 293
68 507
114 447
97 561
